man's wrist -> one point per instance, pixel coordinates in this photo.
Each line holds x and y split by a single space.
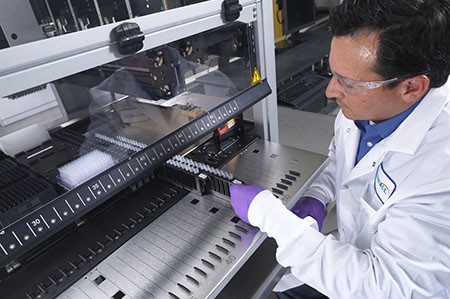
269 214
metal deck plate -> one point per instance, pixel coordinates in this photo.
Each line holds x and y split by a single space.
194 249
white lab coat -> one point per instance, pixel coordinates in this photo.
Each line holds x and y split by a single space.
393 212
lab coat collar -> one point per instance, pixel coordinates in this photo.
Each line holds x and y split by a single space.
409 135
405 139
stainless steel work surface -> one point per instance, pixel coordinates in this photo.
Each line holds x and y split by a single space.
195 248
284 170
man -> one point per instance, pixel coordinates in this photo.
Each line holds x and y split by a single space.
389 161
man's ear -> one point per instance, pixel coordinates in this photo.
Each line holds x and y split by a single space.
414 88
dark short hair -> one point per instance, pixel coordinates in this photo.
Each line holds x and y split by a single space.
414 34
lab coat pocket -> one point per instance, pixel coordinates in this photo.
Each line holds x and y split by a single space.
369 200
369 205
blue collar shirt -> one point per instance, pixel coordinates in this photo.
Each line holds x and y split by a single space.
372 133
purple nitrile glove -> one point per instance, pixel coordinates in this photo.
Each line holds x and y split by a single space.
241 197
310 206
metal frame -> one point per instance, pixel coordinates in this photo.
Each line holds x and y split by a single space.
266 112
31 64
25 27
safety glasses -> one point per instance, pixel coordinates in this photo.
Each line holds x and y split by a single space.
361 88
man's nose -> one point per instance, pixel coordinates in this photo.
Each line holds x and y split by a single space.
333 89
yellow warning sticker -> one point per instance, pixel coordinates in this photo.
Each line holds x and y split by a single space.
256 76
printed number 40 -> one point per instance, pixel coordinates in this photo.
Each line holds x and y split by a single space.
230 259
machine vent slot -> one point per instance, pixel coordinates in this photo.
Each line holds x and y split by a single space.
20 190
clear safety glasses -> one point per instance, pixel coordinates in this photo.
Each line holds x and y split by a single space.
361 88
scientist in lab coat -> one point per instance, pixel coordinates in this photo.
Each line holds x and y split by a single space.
389 163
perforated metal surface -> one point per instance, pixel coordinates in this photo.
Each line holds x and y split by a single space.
193 249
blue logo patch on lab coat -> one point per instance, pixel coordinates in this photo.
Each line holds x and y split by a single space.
384 185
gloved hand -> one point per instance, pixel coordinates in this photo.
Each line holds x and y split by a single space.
309 206
241 197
